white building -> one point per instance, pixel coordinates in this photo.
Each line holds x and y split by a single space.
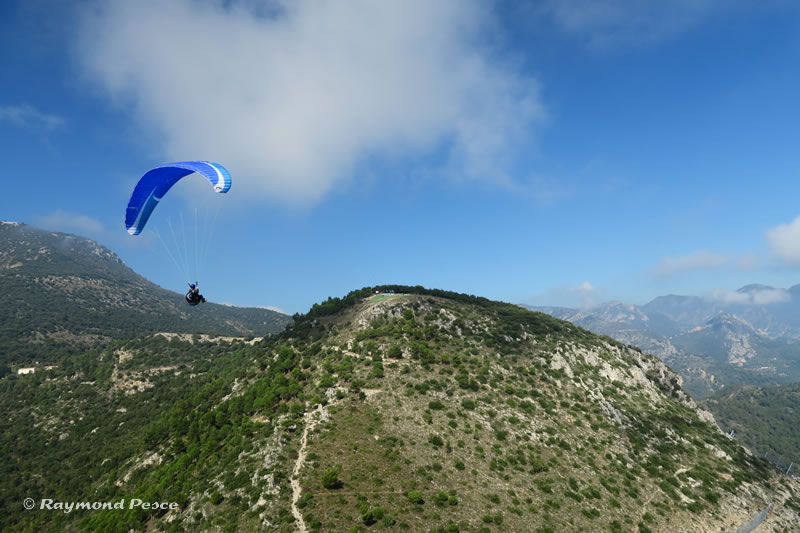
29 370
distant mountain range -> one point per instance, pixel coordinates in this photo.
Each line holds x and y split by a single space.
749 336
62 294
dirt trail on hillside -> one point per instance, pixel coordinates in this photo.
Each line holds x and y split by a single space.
308 423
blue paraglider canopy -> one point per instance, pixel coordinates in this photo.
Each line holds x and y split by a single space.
157 181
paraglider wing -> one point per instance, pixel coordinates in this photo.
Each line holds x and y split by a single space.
157 181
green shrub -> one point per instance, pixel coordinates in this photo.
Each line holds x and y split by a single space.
395 352
415 496
372 515
330 479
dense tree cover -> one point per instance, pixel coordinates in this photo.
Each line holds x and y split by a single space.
202 430
69 428
766 419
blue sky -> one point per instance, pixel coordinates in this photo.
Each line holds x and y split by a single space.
559 152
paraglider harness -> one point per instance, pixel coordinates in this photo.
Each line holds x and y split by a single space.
193 297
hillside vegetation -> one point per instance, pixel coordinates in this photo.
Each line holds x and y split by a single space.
765 419
63 294
424 411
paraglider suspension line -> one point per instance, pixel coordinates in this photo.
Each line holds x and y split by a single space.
185 249
174 262
178 250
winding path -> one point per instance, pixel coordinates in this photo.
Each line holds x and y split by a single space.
308 423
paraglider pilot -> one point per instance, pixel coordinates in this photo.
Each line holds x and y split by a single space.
193 297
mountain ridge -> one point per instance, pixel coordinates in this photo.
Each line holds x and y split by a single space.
65 293
709 343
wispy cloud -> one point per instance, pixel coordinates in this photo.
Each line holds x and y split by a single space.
70 223
755 297
609 23
700 260
293 99
697 260
784 242
273 308
27 116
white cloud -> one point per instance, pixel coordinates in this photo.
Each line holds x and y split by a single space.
770 296
697 260
292 101
28 116
70 223
784 242
583 287
606 23
582 296
755 297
